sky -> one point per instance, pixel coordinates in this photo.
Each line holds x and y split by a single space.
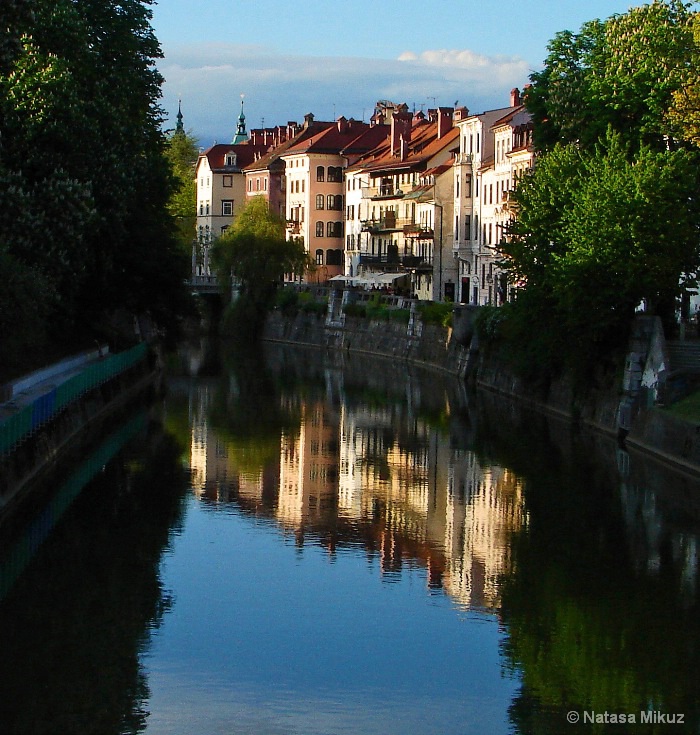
339 58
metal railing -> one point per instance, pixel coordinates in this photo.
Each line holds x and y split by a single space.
26 420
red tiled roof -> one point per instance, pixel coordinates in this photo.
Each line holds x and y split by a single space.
245 154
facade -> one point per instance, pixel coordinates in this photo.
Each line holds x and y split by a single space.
495 148
402 228
221 188
315 191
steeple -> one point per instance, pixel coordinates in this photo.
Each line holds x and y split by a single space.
241 134
179 128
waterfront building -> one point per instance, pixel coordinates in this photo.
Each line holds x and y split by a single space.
405 211
315 205
495 148
220 186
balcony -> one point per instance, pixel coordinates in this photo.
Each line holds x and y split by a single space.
393 259
464 158
386 223
382 192
293 227
419 231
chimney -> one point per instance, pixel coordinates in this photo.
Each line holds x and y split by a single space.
342 124
400 130
308 119
444 121
515 97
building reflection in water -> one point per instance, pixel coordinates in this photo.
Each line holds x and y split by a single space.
354 473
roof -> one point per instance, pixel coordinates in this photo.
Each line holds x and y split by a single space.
266 160
245 154
516 117
422 147
333 139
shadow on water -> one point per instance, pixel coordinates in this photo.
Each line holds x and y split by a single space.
81 601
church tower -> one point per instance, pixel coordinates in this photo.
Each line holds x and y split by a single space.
241 134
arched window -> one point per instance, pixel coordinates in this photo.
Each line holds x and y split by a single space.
319 229
319 257
320 174
319 201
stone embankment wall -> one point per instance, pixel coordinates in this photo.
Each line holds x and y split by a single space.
627 407
429 345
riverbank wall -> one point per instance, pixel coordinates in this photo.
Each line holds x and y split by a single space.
626 405
70 431
428 345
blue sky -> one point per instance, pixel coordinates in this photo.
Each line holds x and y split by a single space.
335 59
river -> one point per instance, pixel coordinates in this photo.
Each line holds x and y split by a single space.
297 544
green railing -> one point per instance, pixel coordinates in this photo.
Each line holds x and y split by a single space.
26 420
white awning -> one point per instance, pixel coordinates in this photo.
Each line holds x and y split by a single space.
385 278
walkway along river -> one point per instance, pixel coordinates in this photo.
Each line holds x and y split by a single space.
299 544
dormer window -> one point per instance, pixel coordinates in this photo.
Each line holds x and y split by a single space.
230 159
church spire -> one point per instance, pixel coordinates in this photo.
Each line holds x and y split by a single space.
179 128
241 134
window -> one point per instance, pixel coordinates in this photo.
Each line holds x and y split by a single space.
230 159
468 187
201 208
319 201
319 229
228 181
334 257
330 201
320 171
227 207
334 229
335 173
467 227
319 257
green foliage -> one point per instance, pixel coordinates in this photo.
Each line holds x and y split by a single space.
433 312
356 310
256 254
84 183
620 73
597 233
182 152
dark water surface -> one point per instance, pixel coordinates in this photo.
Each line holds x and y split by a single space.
293 545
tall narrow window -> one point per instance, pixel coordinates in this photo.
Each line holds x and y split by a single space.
319 201
320 173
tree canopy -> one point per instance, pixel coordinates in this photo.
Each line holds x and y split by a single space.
609 217
84 181
256 254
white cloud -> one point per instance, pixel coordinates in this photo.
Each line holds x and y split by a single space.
210 78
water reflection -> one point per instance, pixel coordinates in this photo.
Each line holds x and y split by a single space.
589 555
527 570
340 457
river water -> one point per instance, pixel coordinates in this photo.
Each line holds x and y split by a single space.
293 544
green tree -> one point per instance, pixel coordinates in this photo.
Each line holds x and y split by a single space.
620 73
597 233
256 254
684 112
82 152
182 152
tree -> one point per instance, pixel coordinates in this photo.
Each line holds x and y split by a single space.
84 183
182 153
256 254
684 112
597 233
620 73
